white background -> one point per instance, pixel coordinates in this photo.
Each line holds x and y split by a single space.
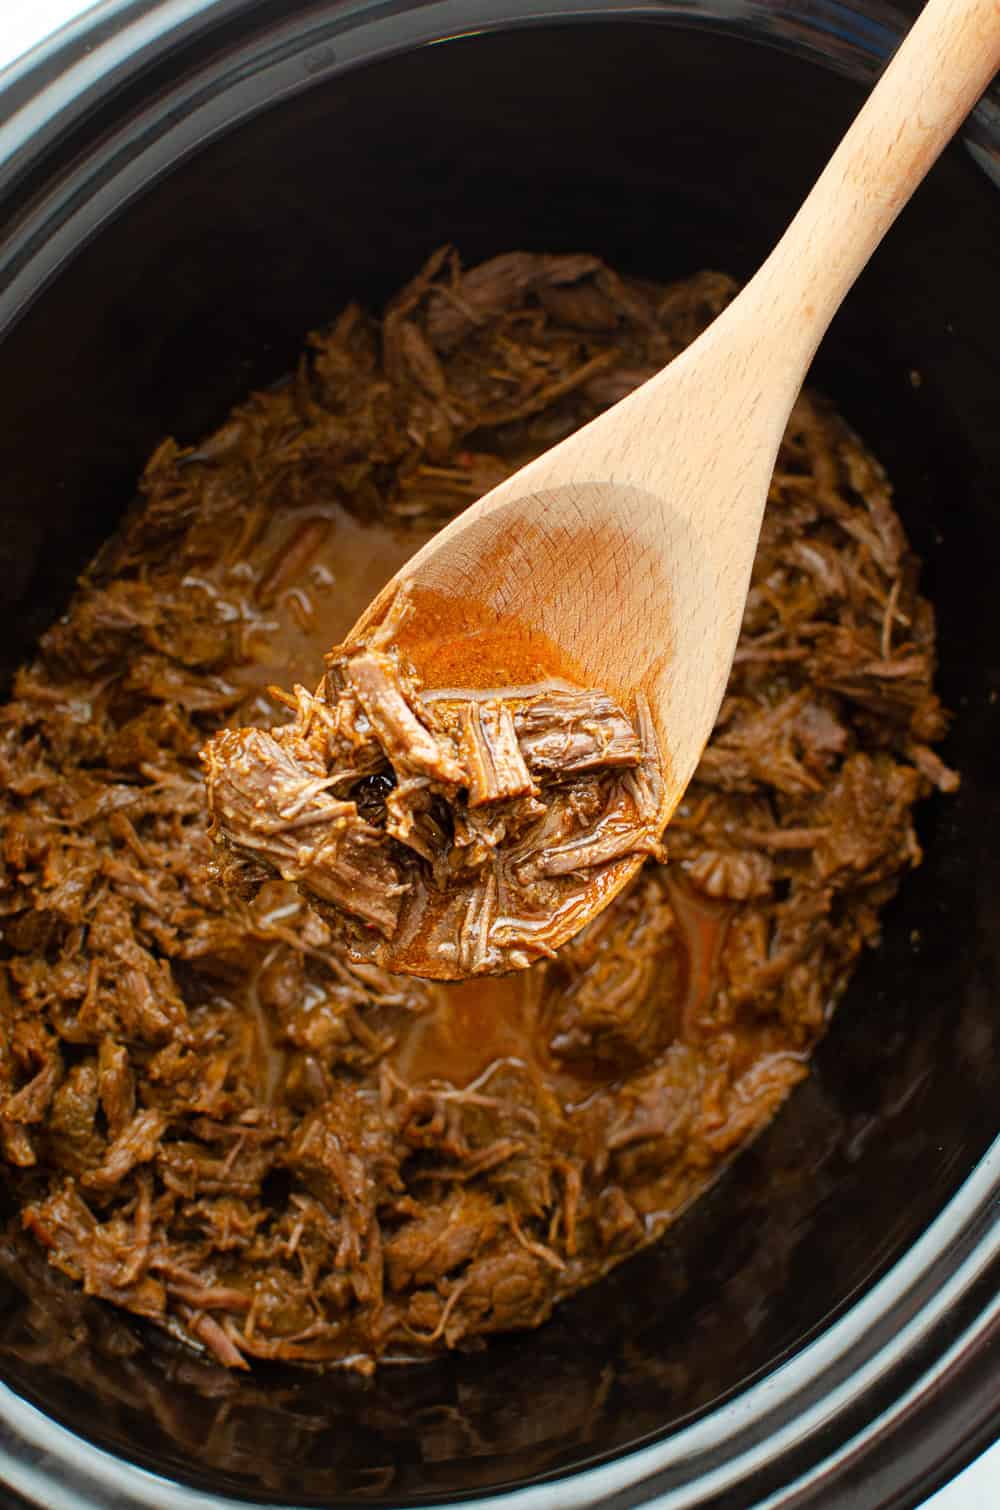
22 24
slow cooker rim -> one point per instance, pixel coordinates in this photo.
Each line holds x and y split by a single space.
958 1251
61 80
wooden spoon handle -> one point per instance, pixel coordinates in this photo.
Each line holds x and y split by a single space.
940 70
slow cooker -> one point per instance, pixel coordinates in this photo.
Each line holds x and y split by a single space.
187 187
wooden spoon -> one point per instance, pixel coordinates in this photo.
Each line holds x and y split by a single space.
621 559
628 547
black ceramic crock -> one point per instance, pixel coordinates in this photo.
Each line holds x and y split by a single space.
186 188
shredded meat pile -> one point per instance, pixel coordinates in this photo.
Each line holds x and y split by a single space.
464 825
215 1119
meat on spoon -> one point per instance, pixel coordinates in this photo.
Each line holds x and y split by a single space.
448 832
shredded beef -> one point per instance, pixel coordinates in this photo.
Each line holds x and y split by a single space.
499 807
216 1118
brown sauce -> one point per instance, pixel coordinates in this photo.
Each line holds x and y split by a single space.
471 648
472 1025
702 924
306 583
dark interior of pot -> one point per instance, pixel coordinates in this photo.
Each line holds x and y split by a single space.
664 150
